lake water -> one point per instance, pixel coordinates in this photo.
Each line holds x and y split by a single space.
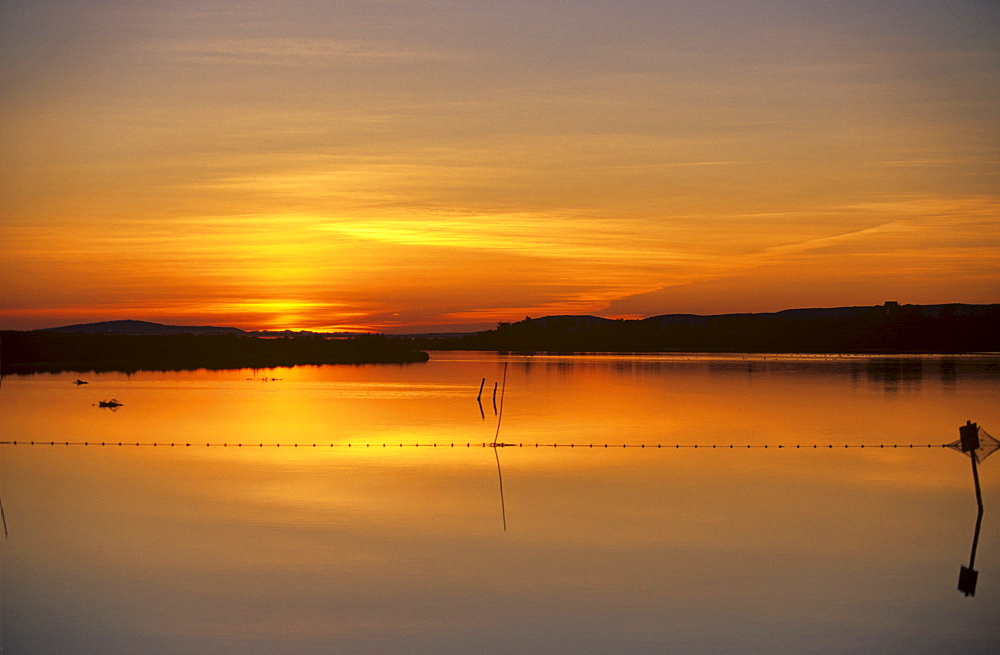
352 546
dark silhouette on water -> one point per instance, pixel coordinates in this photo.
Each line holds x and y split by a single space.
978 445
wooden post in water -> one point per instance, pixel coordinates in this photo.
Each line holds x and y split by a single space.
481 384
969 439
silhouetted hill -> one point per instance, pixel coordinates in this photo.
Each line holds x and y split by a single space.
890 327
585 321
696 319
141 327
291 334
146 327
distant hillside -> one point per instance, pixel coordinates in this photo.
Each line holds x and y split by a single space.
912 311
585 321
141 327
696 319
146 327
890 327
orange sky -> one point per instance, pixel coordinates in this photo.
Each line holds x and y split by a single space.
425 165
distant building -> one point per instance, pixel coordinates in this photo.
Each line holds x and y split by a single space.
891 308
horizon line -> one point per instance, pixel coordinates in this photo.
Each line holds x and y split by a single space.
449 329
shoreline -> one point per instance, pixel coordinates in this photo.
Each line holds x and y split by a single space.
33 352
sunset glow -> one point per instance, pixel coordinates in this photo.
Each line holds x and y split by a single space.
435 165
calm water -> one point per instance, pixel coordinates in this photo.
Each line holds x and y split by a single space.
372 549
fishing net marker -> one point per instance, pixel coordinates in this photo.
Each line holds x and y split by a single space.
978 445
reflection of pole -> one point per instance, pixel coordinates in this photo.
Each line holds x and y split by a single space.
975 479
503 505
969 576
975 539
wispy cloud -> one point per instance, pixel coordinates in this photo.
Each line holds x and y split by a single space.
287 51
913 223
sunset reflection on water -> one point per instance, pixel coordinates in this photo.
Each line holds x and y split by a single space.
353 546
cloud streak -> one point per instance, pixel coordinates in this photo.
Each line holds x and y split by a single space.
285 51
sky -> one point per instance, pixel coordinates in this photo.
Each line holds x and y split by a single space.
442 165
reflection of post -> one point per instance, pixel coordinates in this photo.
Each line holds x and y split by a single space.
967 577
503 505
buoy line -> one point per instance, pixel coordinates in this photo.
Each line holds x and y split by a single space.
658 446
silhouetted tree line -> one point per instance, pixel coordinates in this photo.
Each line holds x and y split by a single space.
900 329
53 351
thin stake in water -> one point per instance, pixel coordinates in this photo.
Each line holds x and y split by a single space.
503 507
